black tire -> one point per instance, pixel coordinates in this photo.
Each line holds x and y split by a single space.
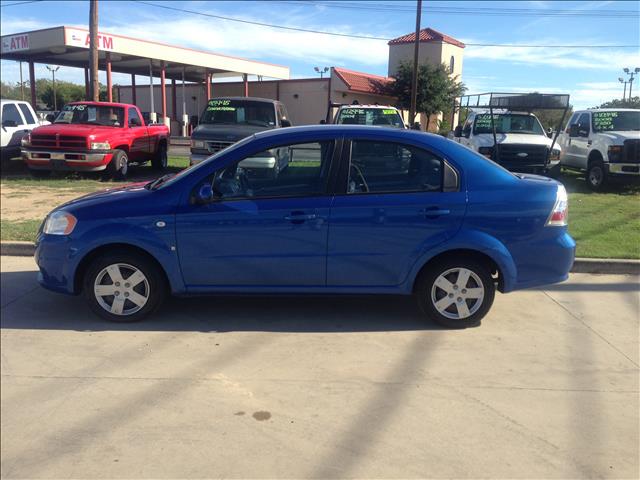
596 176
40 173
118 166
153 287
160 159
427 295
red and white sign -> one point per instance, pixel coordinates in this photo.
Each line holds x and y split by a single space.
79 38
15 43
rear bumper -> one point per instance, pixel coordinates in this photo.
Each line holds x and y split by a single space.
67 161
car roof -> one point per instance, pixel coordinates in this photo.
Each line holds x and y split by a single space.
368 106
101 104
8 100
608 110
251 99
369 131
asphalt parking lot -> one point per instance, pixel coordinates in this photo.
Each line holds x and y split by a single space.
332 387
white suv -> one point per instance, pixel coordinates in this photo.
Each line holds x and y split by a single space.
18 119
604 143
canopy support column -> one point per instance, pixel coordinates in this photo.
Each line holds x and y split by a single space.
32 84
245 79
152 111
174 100
185 117
207 80
163 92
134 97
87 92
109 83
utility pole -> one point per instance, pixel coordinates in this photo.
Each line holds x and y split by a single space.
631 74
53 72
624 92
414 80
21 84
94 89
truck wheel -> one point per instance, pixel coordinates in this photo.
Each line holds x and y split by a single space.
160 160
456 293
123 287
596 175
118 166
40 173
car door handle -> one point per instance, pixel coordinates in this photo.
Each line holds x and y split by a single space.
300 217
434 212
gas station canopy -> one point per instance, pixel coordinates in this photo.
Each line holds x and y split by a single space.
69 46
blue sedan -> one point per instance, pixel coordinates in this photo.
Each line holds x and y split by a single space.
355 210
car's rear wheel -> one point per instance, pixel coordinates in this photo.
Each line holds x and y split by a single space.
161 158
596 175
119 165
456 293
123 287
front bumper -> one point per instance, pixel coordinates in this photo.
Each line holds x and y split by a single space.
56 263
83 161
623 169
196 158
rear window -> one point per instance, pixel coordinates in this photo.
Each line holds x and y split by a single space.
381 117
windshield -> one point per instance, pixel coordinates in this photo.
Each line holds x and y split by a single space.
618 121
239 112
382 117
91 115
507 123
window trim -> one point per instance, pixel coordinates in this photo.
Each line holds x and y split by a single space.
343 176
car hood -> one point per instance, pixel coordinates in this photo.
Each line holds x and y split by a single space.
125 192
486 139
225 133
620 136
96 131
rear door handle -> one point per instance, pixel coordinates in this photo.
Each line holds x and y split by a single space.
434 212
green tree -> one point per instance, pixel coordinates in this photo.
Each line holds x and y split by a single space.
633 102
65 92
551 118
436 89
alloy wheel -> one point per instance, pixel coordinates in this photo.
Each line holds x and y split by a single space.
121 289
457 293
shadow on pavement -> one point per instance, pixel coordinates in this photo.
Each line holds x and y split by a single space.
631 286
41 309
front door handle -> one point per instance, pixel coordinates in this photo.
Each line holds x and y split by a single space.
300 217
434 212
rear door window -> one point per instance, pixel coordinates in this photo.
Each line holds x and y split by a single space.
27 113
387 167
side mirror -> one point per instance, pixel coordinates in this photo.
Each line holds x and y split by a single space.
285 123
134 122
50 118
9 123
457 132
550 134
205 194
583 133
323 122
573 130
415 126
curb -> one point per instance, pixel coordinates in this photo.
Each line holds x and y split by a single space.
580 265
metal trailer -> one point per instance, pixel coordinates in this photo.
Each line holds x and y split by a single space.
515 102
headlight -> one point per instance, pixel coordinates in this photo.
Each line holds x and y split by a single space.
199 144
59 223
615 153
555 155
100 146
26 140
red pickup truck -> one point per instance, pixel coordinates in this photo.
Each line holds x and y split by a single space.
94 137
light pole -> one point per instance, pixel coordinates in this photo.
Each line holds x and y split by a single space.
631 75
53 71
624 93
321 71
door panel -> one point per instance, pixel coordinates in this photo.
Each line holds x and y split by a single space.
374 240
261 243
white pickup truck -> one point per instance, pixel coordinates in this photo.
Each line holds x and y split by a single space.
604 143
18 119
522 144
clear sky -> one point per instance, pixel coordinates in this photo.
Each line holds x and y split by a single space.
589 74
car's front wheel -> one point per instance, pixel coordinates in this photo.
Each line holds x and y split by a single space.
456 293
596 175
124 287
118 166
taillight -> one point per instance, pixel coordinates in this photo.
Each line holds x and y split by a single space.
560 212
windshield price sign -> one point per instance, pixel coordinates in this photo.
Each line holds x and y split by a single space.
70 108
220 105
604 120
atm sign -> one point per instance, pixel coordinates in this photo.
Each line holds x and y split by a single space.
15 43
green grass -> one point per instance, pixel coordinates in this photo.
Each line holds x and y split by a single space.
21 230
604 224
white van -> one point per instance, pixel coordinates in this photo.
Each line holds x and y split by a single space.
18 118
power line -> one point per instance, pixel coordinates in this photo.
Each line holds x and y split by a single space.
19 3
366 37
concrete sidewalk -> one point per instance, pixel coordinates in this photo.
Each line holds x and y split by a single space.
330 387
